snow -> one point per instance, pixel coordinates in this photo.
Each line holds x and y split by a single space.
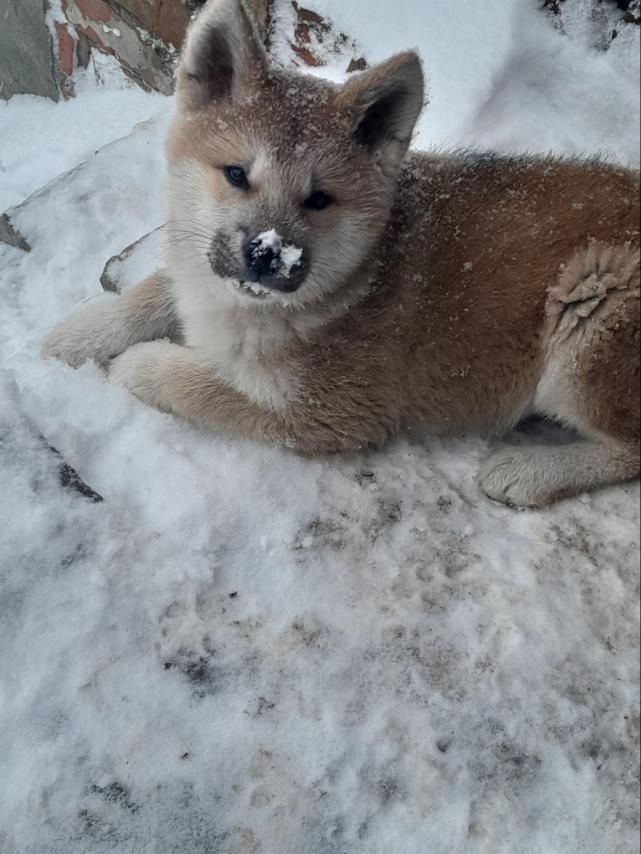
240 651
40 139
288 255
138 260
499 75
268 240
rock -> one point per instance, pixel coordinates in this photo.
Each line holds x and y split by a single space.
70 479
359 64
66 474
27 223
145 56
631 10
10 235
599 23
162 20
553 6
134 263
26 51
315 39
145 36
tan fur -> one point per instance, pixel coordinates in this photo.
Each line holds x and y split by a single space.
446 293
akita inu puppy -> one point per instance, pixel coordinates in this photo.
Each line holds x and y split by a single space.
325 290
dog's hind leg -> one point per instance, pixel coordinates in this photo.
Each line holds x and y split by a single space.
590 383
103 330
534 477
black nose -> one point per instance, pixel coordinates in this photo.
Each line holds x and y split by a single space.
261 261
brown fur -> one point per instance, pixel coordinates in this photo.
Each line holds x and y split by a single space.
426 349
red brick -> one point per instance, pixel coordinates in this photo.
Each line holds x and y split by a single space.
66 49
95 10
165 19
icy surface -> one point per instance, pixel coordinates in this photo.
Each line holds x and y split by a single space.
243 652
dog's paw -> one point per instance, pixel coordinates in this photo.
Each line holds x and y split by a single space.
142 369
516 477
69 344
88 335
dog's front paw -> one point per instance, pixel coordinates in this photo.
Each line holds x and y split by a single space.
516 477
87 335
68 343
142 370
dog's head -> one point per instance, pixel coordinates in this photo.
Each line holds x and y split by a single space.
281 183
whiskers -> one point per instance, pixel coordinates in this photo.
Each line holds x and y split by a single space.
186 235
187 230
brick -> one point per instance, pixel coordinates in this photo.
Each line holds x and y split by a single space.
146 59
144 35
93 10
66 49
164 19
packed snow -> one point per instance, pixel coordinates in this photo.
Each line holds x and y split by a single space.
239 651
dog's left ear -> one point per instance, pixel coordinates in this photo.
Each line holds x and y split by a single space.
223 54
385 104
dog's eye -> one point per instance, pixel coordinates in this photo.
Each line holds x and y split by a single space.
236 176
318 201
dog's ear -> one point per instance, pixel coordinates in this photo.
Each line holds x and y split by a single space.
384 105
222 55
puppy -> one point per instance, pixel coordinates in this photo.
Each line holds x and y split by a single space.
324 289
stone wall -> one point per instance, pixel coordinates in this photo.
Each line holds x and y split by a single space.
144 35
26 62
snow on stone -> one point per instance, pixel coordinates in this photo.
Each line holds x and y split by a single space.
240 651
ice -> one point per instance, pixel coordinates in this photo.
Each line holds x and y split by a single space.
240 651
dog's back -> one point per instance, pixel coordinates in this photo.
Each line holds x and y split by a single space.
474 245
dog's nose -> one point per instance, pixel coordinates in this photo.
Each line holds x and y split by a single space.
261 260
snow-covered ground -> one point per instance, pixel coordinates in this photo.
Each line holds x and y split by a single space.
242 652
39 139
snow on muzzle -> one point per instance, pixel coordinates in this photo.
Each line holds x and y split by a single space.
274 263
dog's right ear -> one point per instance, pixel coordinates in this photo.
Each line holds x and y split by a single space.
384 104
222 55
